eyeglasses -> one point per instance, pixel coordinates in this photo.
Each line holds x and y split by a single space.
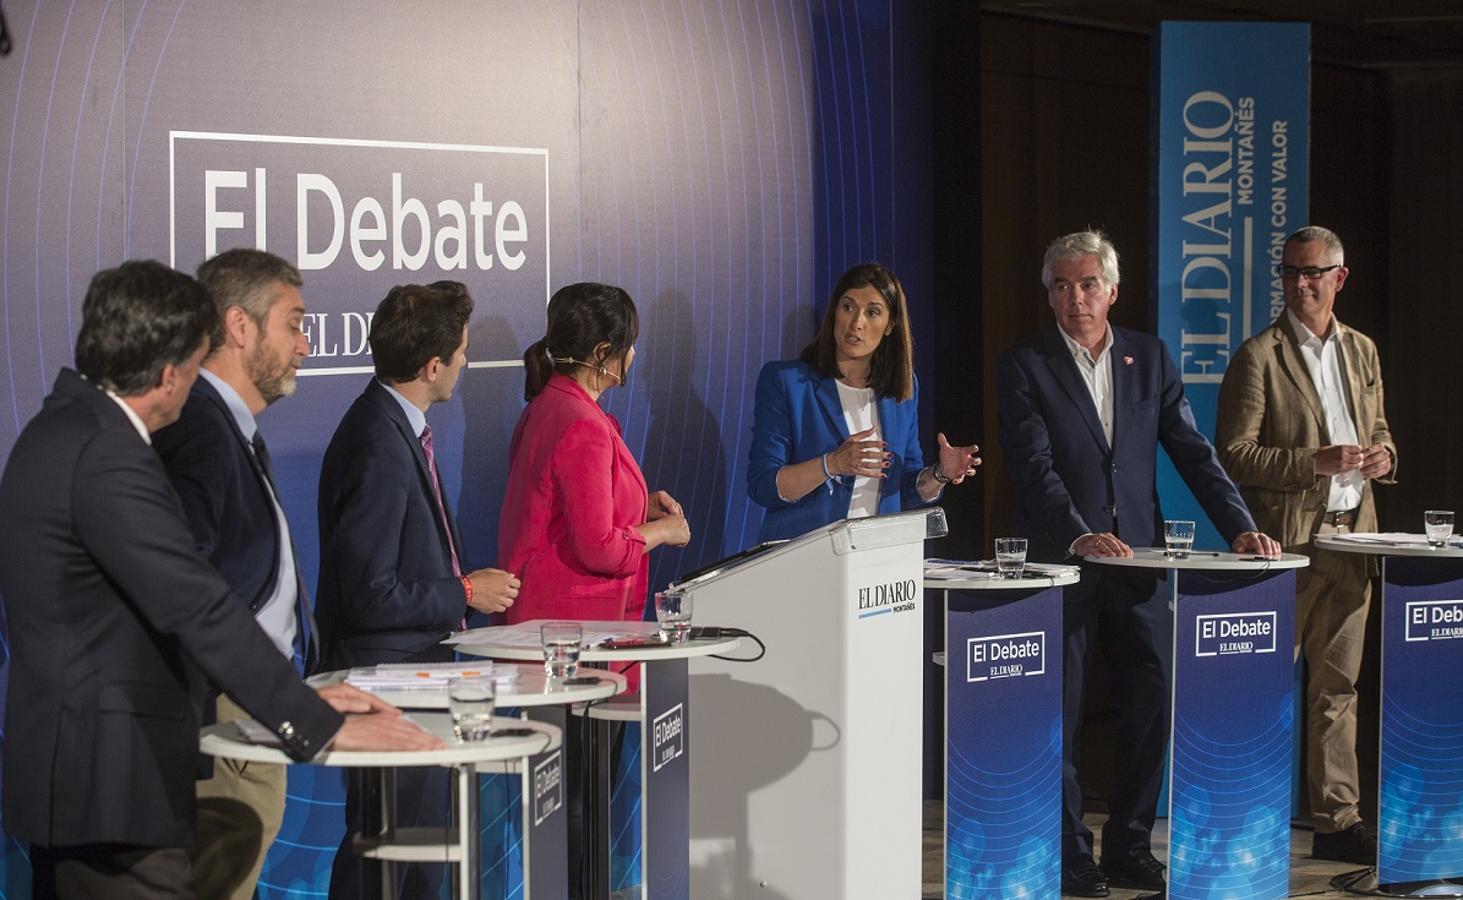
1309 273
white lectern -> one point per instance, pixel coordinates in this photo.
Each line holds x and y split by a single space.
807 763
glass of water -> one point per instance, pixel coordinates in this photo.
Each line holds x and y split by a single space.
1439 525
471 701
1010 556
673 612
1178 538
562 643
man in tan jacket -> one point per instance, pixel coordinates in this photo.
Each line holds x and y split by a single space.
1302 431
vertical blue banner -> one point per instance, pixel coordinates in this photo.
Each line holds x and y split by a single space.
1003 785
1231 138
1420 837
1233 722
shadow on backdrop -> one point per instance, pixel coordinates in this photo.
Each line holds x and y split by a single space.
683 448
491 402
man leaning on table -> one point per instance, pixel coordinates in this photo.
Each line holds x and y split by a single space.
1301 429
1083 408
113 614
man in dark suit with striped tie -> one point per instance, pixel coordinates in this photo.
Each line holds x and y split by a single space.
393 582
219 464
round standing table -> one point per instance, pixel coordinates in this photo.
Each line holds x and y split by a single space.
1003 667
660 708
1420 761
457 843
1231 719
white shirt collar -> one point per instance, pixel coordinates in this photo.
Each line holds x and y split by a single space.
414 416
245 419
1080 351
132 417
1305 335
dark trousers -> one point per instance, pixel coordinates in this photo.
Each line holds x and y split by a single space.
121 871
423 800
1126 610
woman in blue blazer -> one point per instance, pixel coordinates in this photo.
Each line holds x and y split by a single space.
836 432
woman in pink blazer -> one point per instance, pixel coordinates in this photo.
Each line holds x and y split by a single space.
577 520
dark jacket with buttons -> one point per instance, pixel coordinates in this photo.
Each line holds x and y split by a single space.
1068 480
110 607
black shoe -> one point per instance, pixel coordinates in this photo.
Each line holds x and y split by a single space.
1357 844
1082 878
1140 870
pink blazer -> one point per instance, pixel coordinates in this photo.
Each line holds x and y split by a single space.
567 527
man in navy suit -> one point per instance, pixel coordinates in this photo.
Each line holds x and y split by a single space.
1082 409
393 582
219 464
113 613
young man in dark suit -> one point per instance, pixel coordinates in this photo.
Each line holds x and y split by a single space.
1082 410
393 582
219 464
113 613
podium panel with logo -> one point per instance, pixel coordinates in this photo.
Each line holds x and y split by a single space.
1231 721
1420 777
807 768
1003 732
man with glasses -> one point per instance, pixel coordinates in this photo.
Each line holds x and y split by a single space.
1301 429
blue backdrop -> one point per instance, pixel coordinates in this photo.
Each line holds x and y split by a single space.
723 161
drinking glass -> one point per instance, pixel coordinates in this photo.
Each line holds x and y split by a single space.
1010 556
471 701
673 612
562 643
1439 525
1178 538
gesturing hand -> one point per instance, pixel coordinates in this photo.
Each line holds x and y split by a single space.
376 731
1338 458
860 456
957 462
1099 545
346 699
1256 542
493 590
663 504
1375 461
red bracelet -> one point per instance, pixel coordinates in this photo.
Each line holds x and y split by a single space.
467 589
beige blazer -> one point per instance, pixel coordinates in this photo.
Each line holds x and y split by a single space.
1271 424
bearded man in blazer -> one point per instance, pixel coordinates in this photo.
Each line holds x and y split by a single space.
1082 409
219 464
1301 428
114 615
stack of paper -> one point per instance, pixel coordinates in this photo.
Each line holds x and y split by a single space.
427 676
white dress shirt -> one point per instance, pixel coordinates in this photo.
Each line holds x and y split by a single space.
860 413
1097 375
1323 360
277 614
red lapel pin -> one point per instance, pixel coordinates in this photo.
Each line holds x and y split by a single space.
1127 360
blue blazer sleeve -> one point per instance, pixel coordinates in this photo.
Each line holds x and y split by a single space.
911 455
772 438
1026 447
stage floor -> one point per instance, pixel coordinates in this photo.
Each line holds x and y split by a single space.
1308 877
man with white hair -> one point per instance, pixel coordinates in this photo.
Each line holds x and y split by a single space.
1302 430
1082 408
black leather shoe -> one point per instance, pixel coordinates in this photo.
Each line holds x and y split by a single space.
1141 870
1357 844
1082 878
